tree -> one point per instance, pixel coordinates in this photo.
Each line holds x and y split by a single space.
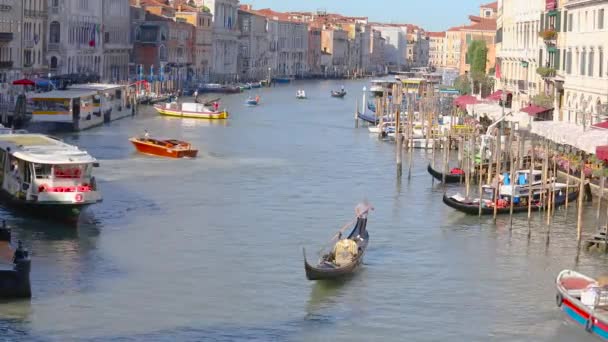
543 100
462 83
477 55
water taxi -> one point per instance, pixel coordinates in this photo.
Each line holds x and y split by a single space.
301 94
46 176
190 110
253 101
171 148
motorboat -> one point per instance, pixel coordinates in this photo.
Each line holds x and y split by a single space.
253 101
340 93
171 148
190 110
301 94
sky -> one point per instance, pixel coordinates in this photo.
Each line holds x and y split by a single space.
432 15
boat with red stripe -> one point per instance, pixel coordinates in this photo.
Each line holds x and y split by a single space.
584 300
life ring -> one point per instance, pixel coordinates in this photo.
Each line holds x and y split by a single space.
78 198
589 324
559 299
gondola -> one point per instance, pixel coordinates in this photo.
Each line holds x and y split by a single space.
328 267
338 94
368 118
472 208
449 178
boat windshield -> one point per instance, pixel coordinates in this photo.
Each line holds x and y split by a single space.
69 171
488 193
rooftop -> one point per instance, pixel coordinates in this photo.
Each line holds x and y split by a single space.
39 148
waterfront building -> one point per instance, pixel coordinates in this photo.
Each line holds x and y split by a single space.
314 50
437 49
254 55
395 48
33 33
519 43
377 49
11 20
115 31
74 40
480 29
290 40
334 43
585 24
452 48
225 39
201 20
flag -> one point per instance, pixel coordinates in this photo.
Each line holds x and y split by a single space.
91 29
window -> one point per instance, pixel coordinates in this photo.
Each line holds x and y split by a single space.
55 32
569 62
570 20
601 62
590 67
600 19
582 63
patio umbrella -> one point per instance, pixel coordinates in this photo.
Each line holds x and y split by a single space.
24 82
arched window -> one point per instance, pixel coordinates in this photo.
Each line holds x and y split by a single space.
53 62
138 34
55 32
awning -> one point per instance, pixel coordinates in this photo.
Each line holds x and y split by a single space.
601 152
534 109
496 96
464 100
603 125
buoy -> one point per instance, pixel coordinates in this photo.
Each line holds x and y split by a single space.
78 197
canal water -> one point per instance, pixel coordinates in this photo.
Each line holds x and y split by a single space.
210 249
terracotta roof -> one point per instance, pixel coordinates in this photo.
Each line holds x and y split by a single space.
455 28
436 34
480 24
492 5
153 3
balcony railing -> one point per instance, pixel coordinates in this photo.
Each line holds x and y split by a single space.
6 37
53 46
6 64
28 44
54 10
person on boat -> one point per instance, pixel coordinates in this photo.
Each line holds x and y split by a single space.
195 94
257 98
342 89
216 105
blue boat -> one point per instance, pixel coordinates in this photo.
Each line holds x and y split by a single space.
371 106
584 300
253 101
368 118
282 79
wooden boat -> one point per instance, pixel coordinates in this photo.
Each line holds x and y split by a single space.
190 110
164 148
256 85
333 264
339 94
368 118
584 300
282 79
471 207
452 177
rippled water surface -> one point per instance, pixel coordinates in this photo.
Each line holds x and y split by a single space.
211 248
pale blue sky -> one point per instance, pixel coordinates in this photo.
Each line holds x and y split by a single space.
432 15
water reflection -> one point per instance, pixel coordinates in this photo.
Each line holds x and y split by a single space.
15 310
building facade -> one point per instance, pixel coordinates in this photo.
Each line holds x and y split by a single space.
254 56
225 39
436 49
395 48
585 88
33 37
74 41
116 40
11 21
201 22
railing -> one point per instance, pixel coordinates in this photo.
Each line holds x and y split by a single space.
29 13
6 64
28 44
54 10
53 46
41 14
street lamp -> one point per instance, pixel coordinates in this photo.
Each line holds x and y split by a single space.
364 107
584 104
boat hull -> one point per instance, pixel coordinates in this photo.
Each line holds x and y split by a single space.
335 273
473 208
61 212
449 178
160 151
192 115
577 311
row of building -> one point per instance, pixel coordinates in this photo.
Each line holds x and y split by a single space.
196 40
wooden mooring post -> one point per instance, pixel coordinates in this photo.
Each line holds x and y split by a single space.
579 218
600 198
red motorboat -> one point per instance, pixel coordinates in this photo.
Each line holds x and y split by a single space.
171 148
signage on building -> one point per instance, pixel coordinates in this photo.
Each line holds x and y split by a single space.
551 5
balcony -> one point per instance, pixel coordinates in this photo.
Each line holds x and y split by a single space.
546 72
28 44
549 36
6 37
53 47
6 65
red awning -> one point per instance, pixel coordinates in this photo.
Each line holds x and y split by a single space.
603 125
464 100
496 96
601 152
24 81
534 109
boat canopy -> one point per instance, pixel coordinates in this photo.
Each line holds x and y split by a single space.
42 149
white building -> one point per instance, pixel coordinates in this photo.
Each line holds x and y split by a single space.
395 47
254 56
74 41
117 46
586 63
518 45
225 38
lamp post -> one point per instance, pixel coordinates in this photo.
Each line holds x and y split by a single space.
269 79
584 104
364 107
